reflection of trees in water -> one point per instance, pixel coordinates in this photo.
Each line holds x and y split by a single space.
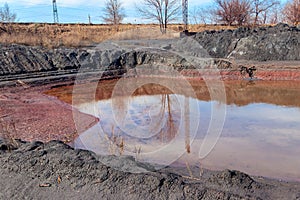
165 123
168 132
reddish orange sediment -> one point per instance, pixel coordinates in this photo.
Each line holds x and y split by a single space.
264 74
38 117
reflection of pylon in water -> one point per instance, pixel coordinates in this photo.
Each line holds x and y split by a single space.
187 124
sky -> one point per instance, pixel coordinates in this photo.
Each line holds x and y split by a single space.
77 11
74 11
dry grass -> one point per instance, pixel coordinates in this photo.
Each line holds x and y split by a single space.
137 151
7 130
116 143
189 170
190 173
76 35
205 27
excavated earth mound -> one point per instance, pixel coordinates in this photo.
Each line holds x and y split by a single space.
280 42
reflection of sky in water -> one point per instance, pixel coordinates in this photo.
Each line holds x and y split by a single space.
142 117
260 139
263 122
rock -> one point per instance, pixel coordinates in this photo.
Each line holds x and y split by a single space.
281 42
229 178
19 60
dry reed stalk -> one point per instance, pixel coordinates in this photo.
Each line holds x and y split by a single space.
137 151
115 143
189 169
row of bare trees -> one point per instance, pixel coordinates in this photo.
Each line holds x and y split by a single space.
248 12
230 12
163 11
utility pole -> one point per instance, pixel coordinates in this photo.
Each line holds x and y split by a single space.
90 22
185 14
55 14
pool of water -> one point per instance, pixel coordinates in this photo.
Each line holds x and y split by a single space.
260 134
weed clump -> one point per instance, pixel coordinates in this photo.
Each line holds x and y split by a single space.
7 129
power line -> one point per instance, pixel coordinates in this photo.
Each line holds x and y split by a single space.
55 13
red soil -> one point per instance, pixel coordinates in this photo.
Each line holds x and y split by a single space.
36 116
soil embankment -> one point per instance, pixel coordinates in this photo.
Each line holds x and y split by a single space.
55 170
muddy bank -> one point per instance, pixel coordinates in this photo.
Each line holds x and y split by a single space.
26 113
38 170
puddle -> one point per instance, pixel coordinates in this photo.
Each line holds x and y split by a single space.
260 136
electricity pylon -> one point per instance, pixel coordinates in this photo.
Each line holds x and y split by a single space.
185 14
55 14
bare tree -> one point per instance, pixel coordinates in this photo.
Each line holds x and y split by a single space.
203 15
233 12
224 11
261 8
6 15
275 14
164 11
292 12
194 15
113 12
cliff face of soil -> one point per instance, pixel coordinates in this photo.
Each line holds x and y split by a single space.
42 170
281 42
20 60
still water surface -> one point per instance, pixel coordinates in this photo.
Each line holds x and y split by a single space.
260 136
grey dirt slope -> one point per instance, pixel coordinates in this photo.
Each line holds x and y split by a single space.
56 171
280 42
